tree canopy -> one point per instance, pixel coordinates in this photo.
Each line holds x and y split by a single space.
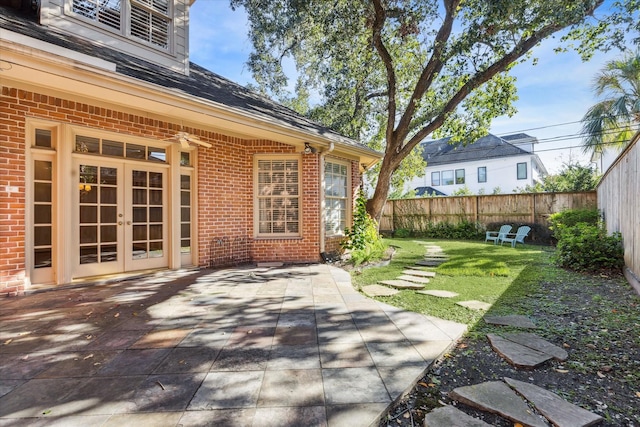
393 72
612 122
572 177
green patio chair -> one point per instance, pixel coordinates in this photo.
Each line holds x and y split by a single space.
496 236
518 237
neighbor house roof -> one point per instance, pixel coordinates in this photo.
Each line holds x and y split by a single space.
428 191
199 84
440 152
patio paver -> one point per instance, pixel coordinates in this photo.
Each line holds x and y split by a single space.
248 346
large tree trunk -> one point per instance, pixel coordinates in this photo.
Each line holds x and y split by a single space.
375 205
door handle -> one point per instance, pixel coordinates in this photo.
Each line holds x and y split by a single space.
128 222
119 222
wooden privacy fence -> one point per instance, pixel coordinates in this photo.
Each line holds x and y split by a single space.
489 211
619 201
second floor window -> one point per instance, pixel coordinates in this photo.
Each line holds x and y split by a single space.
435 178
459 176
447 177
522 171
482 174
147 20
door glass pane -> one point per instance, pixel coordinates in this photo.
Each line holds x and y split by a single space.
139 178
139 197
41 170
88 254
108 233
42 191
185 214
139 232
155 232
155 197
139 214
155 179
42 257
155 214
108 253
109 195
42 236
155 249
42 214
108 214
88 234
185 198
185 182
108 176
139 250
88 214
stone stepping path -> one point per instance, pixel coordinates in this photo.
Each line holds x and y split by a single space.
402 284
415 279
498 398
439 293
430 262
379 291
420 273
449 416
536 342
511 320
475 305
557 410
511 401
516 354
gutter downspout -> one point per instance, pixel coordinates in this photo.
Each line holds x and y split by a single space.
323 153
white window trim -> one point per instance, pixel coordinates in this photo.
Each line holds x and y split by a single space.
526 173
347 198
485 174
256 197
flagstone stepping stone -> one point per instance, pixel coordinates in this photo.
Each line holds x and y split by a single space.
517 354
430 262
498 398
449 416
511 320
475 305
379 291
557 410
420 273
536 342
402 284
415 279
438 293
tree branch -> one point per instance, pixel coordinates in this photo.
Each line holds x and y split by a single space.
387 60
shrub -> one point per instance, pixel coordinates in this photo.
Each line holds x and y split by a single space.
587 247
464 230
570 217
363 239
402 233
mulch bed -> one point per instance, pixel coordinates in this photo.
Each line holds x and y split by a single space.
596 318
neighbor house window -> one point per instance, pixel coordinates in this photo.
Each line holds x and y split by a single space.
435 178
277 190
459 176
147 20
522 171
447 177
336 192
482 174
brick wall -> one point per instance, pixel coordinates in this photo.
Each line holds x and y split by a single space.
224 189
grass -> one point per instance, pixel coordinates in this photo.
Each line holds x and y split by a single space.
475 270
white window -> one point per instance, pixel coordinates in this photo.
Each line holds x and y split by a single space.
147 20
336 192
447 177
277 190
522 171
459 176
435 178
482 174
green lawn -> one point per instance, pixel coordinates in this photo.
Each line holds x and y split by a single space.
475 270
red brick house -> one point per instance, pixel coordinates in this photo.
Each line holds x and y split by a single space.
118 155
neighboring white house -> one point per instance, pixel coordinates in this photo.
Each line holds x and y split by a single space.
489 165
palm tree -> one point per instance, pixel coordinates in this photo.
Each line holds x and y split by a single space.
614 120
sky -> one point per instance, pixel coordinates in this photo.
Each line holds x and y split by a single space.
553 95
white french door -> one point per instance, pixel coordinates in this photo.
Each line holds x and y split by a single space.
121 216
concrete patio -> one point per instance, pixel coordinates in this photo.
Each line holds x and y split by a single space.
249 346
